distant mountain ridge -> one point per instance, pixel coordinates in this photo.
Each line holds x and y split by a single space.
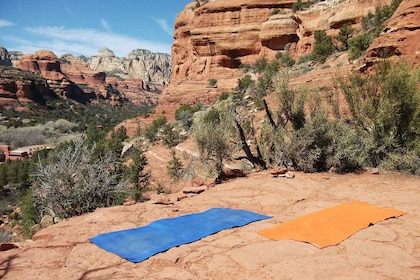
138 77
150 67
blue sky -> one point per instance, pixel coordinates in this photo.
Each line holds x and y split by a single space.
82 27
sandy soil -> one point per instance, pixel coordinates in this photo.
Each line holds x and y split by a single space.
388 250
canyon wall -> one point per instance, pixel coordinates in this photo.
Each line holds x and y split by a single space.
213 39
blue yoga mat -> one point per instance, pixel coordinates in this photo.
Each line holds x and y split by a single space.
138 244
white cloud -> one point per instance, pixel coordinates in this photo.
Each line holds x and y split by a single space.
4 23
61 40
106 25
164 25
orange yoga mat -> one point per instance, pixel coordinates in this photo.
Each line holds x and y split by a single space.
330 226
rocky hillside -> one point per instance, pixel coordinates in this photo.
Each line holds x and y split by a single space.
72 77
214 38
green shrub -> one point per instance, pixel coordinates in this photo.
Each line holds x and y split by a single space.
153 129
359 44
30 214
171 136
137 175
210 130
244 84
184 114
212 82
323 46
285 59
275 12
72 182
180 112
346 32
386 104
174 167
223 96
372 25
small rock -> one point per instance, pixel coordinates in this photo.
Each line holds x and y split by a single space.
195 190
290 175
374 171
160 199
129 202
279 172
178 197
196 182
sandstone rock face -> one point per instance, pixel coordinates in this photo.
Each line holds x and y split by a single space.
4 57
46 63
141 64
400 39
18 85
71 77
15 56
212 40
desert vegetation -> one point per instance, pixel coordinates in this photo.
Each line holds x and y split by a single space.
377 126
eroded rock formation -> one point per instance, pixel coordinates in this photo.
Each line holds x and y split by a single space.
17 85
70 77
4 57
214 38
400 39
150 67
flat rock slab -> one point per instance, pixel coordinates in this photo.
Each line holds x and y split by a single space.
387 250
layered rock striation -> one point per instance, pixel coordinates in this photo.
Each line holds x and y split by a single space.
154 68
46 64
42 73
213 38
21 86
400 39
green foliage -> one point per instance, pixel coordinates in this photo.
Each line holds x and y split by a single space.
372 25
174 167
386 104
267 70
137 175
212 82
15 176
299 5
211 131
171 136
358 45
275 12
30 217
243 85
223 96
346 32
153 129
72 182
120 134
185 113
285 59
290 103
323 46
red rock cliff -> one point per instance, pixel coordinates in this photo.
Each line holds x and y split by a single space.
212 40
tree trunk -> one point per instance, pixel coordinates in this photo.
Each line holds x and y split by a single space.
254 160
270 118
